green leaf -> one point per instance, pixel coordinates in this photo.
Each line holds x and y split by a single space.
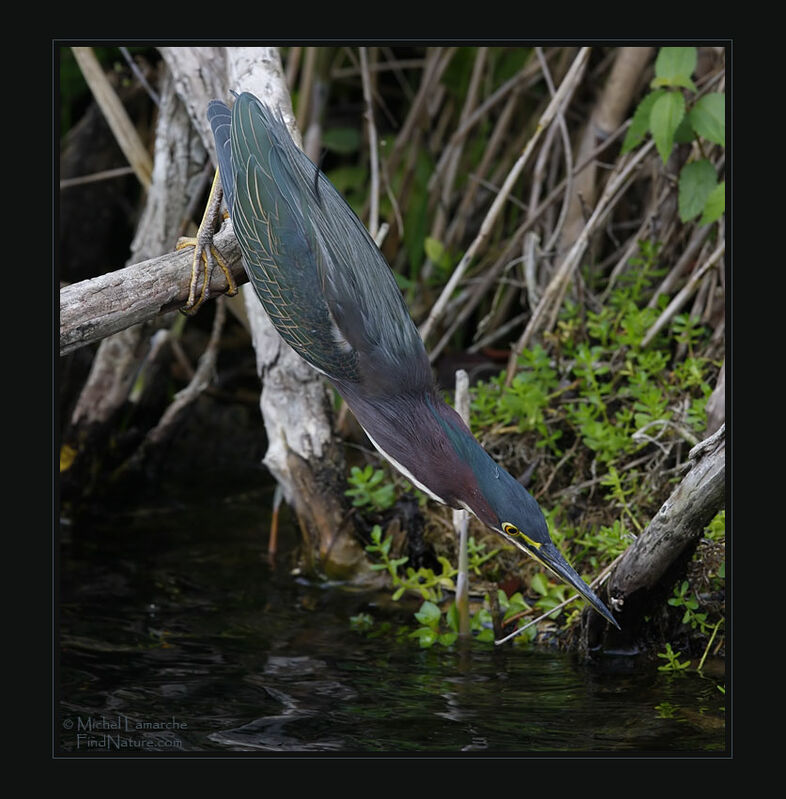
434 249
715 205
640 124
486 635
667 113
452 617
341 140
674 67
539 583
684 133
697 182
427 637
708 117
448 639
429 614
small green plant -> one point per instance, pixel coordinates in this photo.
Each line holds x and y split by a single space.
716 529
362 622
551 595
368 489
422 581
666 710
476 555
513 607
684 598
670 119
673 663
619 494
604 544
438 627
431 629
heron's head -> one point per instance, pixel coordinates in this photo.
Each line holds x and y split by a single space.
504 505
501 502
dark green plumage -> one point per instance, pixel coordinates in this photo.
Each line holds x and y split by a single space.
285 211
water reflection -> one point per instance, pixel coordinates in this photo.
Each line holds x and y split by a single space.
175 623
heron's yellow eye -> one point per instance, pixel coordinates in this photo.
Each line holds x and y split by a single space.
511 529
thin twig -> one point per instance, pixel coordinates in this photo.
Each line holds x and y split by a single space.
497 333
115 114
304 93
491 275
198 383
518 81
140 77
696 241
390 64
293 63
563 128
566 89
684 294
632 246
437 61
456 227
454 150
531 242
552 296
106 174
373 217
461 517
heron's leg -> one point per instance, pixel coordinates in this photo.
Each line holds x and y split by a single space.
206 256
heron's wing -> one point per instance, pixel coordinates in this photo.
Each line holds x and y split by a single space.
320 277
220 118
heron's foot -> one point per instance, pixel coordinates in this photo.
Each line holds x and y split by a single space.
206 255
206 258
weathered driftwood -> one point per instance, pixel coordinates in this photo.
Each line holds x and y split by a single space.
199 74
643 571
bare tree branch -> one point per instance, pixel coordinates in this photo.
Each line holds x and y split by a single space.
94 309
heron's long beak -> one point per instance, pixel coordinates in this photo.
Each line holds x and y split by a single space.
549 556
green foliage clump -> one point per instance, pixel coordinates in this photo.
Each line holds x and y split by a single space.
699 616
422 581
665 114
604 386
368 489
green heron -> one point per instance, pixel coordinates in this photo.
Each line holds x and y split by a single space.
332 297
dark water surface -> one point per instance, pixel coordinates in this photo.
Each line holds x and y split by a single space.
177 636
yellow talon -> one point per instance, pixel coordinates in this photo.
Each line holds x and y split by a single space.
206 252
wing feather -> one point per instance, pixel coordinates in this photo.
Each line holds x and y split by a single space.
322 280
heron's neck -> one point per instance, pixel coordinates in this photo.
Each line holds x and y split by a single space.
427 441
